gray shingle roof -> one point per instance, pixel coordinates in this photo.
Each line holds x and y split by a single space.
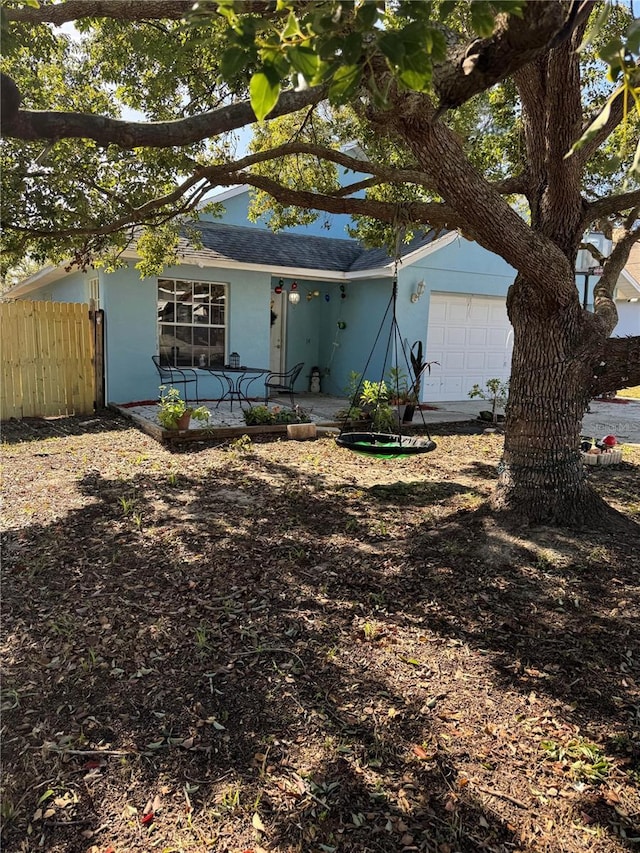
243 244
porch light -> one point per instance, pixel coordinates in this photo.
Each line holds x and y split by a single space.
420 288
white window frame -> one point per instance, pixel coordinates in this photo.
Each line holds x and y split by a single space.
94 293
195 357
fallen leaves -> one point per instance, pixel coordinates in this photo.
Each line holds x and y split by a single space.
278 725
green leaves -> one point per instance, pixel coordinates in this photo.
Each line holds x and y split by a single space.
233 61
264 91
344 84
305 61
411 52
482 18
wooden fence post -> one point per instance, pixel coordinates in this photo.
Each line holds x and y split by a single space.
97 318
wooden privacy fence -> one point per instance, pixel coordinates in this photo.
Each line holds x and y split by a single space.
48 359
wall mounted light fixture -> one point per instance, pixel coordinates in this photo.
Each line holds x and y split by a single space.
420 287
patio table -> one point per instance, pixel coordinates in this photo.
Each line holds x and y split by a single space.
238 380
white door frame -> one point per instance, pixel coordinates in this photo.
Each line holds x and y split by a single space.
278 333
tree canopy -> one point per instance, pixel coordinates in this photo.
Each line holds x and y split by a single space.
78 177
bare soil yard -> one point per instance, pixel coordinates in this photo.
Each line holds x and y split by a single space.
282 646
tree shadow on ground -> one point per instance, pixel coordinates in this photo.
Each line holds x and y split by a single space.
37 429
224 634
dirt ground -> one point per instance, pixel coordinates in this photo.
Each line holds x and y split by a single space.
283 646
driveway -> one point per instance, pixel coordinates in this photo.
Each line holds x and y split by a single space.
621 419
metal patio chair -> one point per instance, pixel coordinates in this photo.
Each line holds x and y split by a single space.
172 375
282 383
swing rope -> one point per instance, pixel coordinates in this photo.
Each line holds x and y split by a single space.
383 445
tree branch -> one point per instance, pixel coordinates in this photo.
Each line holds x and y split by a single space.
604 306
124 10
228 174
434 214
619 366
508 186
563 107
530 83
610 204
34 124
617 112
477 66
144 214
484 215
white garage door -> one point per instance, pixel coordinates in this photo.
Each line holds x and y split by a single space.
472 339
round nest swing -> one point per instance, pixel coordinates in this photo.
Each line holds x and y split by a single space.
379 445
383 446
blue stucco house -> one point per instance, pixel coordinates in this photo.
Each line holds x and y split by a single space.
309 294
235 293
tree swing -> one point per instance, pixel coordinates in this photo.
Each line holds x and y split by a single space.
382 445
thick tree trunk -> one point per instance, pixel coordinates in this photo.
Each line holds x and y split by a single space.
542 479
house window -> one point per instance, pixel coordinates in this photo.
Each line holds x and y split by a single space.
94 293
192 322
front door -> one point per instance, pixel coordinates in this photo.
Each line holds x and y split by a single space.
278 350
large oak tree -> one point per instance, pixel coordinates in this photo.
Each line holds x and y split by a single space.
473 116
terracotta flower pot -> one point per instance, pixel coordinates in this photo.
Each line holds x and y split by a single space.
183 421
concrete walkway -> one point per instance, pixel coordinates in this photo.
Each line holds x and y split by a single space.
605 418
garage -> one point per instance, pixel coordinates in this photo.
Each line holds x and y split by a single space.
471 338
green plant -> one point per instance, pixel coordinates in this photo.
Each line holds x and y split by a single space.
400 391
419 367
583 760
263 415
202 637
230 800
127 504
352 391
371 631
171 407
375 400
241 445
494 390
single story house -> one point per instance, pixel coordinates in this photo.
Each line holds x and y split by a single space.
309 294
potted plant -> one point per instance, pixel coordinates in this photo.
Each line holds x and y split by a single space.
174 413
402 397
497 392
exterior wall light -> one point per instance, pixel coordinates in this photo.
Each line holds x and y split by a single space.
420 286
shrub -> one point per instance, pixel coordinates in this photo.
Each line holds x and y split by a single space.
258 415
